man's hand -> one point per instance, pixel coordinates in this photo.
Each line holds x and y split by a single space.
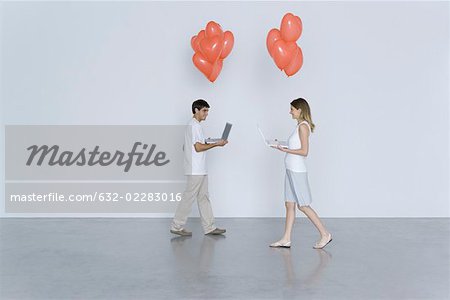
222 143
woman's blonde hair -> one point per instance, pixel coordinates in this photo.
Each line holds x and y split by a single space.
305 113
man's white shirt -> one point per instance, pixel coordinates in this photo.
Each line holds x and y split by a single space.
194 162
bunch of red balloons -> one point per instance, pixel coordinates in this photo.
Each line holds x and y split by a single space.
282 44
211 47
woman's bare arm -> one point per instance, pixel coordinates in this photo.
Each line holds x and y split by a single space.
303 132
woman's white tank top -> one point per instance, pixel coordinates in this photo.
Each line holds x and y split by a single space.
296 162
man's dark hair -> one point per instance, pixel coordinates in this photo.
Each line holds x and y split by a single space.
199 104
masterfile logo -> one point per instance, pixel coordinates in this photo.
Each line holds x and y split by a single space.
84 157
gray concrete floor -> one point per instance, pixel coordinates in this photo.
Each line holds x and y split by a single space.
138 258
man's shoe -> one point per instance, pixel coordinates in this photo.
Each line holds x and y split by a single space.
217 231
182 232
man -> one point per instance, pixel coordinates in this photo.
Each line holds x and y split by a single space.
197 179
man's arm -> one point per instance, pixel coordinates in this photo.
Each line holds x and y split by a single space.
199 147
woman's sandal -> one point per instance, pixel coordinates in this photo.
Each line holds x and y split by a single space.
322 245
281 245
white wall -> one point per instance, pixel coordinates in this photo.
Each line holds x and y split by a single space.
376 76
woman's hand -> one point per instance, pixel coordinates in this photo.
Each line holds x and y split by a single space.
279 148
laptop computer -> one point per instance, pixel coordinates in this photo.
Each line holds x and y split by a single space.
274 143
225 134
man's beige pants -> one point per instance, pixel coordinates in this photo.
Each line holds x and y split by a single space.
196 188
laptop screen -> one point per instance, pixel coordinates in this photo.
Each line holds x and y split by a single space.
226 131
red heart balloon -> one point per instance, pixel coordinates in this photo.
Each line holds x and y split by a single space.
195 40
283 53
217 67
273 36
295 64
290 28
228 42
202 64
211 48
213 29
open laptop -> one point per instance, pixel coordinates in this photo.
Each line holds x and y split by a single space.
226 132
270 143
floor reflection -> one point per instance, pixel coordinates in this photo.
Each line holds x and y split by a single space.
312 276
191 260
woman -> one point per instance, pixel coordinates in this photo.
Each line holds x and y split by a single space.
296 186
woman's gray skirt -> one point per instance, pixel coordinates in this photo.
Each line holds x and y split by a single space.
296 188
